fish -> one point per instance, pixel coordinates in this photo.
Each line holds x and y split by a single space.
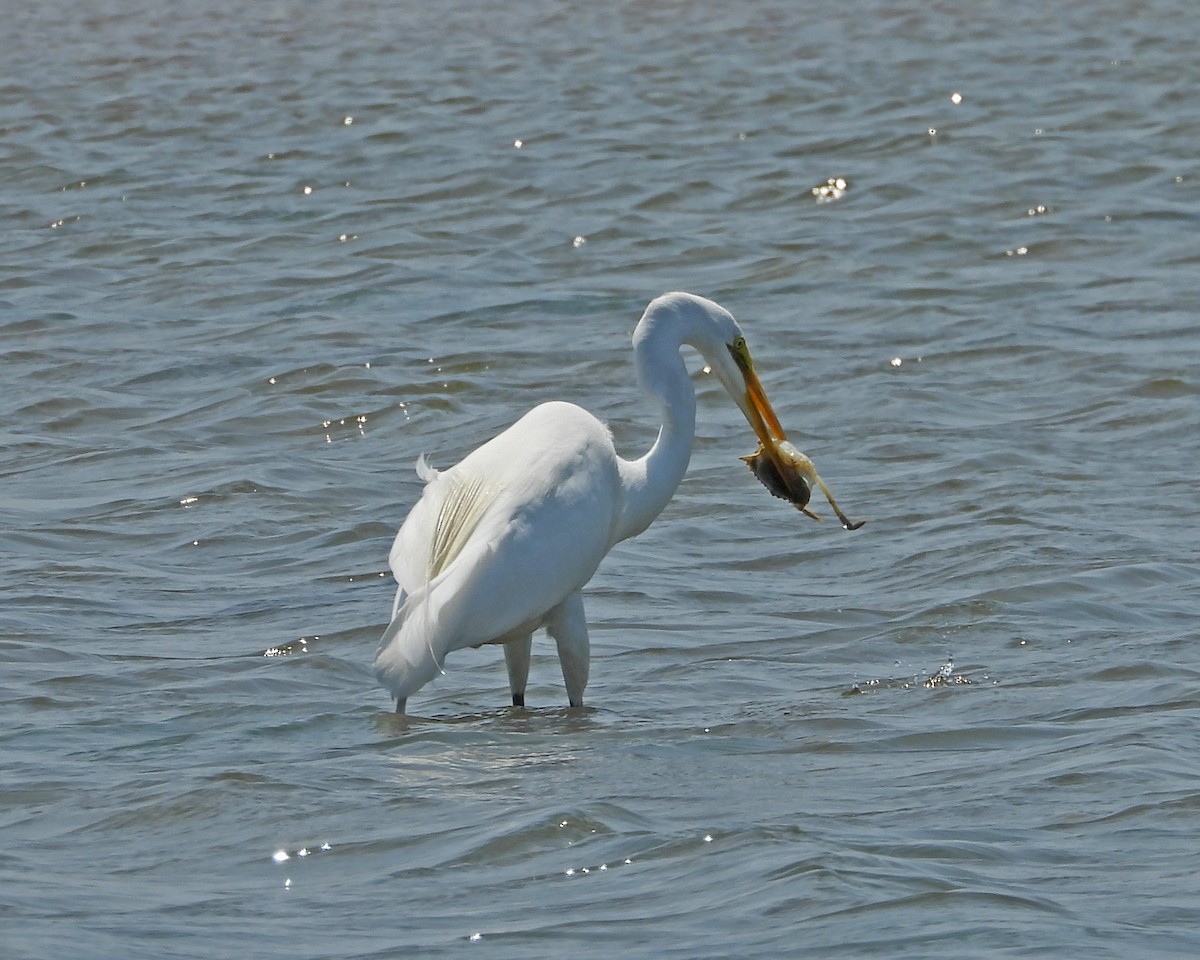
790 475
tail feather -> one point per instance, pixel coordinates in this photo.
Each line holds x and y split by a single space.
408 656
428 625
426 613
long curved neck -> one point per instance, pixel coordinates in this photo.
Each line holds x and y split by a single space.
651 481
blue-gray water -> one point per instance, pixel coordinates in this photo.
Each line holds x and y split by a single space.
258 256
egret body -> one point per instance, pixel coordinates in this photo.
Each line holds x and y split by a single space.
502 543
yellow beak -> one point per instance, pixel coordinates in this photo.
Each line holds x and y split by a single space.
757 408
761 416
759 411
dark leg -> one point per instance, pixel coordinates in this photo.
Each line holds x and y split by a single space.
516 656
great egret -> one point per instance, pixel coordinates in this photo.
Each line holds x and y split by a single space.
503 543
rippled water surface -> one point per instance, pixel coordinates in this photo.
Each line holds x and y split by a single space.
259 256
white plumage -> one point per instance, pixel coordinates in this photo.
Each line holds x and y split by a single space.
502 543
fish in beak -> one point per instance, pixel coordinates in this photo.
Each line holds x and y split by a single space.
779 466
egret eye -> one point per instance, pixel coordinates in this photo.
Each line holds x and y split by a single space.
741 354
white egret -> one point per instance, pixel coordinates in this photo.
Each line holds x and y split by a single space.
503 543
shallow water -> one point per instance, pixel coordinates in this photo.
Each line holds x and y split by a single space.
261 256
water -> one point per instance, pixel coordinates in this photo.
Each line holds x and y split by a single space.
258 257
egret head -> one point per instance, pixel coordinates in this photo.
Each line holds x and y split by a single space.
676 318
780 467
712 330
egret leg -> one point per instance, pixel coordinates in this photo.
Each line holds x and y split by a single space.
567 624
516 657
400 704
